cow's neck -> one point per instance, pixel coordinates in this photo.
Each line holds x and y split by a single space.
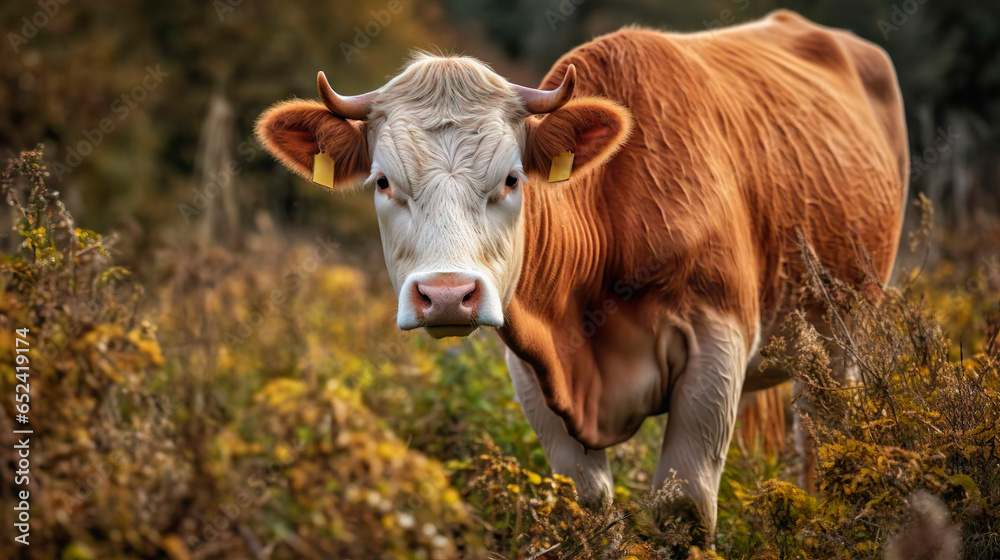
564 250
564 259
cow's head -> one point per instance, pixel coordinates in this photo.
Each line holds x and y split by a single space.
448 147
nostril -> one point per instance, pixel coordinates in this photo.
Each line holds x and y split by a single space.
421 298
471 298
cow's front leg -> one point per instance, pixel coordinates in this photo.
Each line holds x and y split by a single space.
589 469
703 406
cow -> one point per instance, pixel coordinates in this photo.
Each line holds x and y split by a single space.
646 281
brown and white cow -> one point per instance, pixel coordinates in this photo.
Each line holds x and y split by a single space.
647 282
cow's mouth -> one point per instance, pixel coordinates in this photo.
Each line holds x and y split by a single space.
448 303
444 331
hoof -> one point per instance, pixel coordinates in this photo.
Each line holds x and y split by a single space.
678 521
595 493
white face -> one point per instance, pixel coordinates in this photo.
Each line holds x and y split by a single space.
449 205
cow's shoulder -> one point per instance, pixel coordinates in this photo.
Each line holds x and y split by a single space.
836 49
862 67
807 41
873 66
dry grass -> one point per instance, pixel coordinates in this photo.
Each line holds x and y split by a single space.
262 404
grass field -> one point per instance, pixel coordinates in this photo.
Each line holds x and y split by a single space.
262 404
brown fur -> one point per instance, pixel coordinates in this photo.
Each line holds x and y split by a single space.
741 138
294 131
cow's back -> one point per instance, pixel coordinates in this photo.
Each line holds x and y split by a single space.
743 138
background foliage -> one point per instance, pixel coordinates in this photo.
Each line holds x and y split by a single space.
221 375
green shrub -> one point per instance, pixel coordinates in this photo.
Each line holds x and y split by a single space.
177 424
915 421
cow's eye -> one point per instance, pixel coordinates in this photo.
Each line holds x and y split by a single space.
511 181
382 183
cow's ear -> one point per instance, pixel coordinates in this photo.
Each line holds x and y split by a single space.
295 131
592 128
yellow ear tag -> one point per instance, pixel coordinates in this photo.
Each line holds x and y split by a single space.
323 170
562 165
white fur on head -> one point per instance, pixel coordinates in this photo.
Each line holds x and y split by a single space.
446 133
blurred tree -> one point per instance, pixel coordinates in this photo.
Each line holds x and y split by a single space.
86 65
962 96
70 70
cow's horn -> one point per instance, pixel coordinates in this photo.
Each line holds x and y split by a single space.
353 107
538 101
